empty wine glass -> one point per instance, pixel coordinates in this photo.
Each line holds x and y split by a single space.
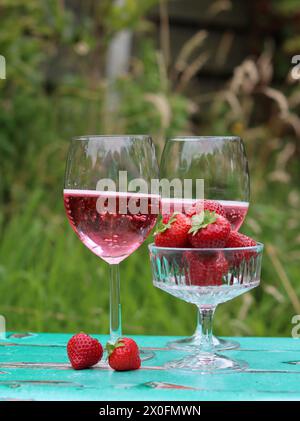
107 212
221 162
189 274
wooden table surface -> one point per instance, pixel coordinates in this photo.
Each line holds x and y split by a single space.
36 367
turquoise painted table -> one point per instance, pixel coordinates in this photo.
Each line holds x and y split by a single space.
35 367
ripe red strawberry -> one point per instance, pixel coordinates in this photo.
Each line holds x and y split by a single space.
205 270
124 355
84 351
210 205
173 231
235 240
209 230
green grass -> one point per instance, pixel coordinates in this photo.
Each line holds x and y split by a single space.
50 282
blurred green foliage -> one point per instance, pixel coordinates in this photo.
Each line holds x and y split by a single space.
55 88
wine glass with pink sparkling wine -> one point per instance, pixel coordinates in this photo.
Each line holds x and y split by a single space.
110 220
221 162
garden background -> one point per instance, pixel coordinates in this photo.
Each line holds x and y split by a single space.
184 75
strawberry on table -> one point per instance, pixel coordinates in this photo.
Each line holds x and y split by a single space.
84 351
210 205
205 270
124 355
173 231
209 230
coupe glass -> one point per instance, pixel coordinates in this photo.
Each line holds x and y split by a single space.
109 220
222 164
174 272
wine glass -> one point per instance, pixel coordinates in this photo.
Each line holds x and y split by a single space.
221 162
174 271
103 206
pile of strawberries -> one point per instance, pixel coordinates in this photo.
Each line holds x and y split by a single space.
206 228
85 351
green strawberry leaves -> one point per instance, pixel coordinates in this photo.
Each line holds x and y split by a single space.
110 347
202 220
161 227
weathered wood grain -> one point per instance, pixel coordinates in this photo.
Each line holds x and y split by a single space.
36 368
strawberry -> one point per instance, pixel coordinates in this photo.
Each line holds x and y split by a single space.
236 240
124 355
205 270
209 230
210 205
84 351
173 231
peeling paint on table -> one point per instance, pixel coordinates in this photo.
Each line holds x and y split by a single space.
35 367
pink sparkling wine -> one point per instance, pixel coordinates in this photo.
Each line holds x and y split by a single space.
168 206
235 211
111 235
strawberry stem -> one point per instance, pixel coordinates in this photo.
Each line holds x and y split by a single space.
202 220
162 227
110 347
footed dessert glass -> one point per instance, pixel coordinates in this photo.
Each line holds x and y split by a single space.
206 278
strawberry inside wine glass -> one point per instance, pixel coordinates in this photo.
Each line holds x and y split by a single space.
111 219
206 277
222 164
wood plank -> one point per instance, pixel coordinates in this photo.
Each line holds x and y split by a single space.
39 370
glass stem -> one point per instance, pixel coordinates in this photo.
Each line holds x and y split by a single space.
198 331
206 315
115 305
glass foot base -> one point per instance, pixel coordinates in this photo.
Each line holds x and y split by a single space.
146 355
193 343
224 345
207 363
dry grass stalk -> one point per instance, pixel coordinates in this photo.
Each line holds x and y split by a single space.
219 6
294 121
191 70
279 98
165 31
161 103
245 77
272 253
188 48
275 293
224 48
247 303
163 73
